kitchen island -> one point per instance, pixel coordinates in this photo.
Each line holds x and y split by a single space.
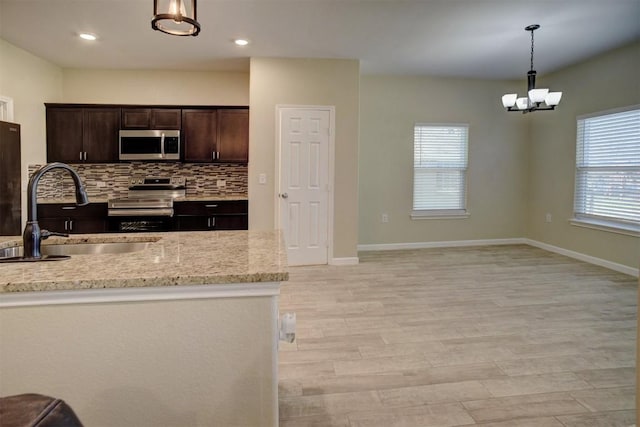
182 333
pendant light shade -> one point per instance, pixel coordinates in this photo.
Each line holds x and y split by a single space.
537 99
175 17
509 100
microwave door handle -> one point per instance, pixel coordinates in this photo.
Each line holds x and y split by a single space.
162 145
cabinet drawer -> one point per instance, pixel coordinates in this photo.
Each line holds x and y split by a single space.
211 207
70 210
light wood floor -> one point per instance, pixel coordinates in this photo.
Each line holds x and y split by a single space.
508 336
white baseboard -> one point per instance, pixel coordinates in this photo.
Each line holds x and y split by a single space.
344 261
445 244
583 257
512 241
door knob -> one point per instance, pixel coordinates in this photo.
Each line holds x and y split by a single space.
284 195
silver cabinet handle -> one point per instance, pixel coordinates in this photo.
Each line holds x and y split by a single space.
213 222
68 208
81 155
66 225
85 155
213 155
284 195
70 225
210 206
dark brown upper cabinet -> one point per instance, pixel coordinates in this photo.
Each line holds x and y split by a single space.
151 118
220 135
199 135
233 135
89 133
76 135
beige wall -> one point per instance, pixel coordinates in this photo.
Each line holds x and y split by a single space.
606 82
305 82
200 362
30 81
155 87
497 174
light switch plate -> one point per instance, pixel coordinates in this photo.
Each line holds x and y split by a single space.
221 183
262 178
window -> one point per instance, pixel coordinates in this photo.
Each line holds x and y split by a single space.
439 170
607 189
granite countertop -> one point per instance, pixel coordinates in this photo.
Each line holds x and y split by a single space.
105 199
172 259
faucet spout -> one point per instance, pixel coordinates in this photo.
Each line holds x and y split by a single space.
32 235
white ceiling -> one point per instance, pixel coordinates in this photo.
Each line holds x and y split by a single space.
467 38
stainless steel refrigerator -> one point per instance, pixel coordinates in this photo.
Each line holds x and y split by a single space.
10 182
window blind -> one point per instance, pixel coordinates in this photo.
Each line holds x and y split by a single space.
608 168
440 168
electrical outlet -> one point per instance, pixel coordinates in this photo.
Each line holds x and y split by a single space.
262 178
547 217
221 183
101 184
385 218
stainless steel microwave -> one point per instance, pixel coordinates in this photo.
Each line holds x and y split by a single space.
149 145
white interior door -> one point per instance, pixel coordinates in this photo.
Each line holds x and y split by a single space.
304 183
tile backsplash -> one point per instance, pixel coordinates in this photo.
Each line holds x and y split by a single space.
111 180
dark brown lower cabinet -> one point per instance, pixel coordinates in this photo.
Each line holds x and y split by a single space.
72 219
188 216
211 215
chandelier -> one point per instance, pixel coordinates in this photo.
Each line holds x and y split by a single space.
536 97
175 17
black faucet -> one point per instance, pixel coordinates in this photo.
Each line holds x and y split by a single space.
32 236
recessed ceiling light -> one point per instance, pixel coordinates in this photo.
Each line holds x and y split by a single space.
241 42
88 36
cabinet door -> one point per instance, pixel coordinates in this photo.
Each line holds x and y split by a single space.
164 118
199 133
64 135
136 118
193 223
59 225
232 222
100 135
87 225
233 135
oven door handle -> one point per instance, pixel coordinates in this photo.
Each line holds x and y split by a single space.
141 212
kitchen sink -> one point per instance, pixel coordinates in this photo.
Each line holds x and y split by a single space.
55 250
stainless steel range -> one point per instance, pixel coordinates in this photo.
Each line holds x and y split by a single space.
148 205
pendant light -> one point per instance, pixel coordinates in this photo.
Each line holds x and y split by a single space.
536 97
175 17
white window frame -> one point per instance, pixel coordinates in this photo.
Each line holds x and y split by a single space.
589 220
443 213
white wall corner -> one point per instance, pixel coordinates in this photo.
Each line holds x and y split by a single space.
586 258
344 261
